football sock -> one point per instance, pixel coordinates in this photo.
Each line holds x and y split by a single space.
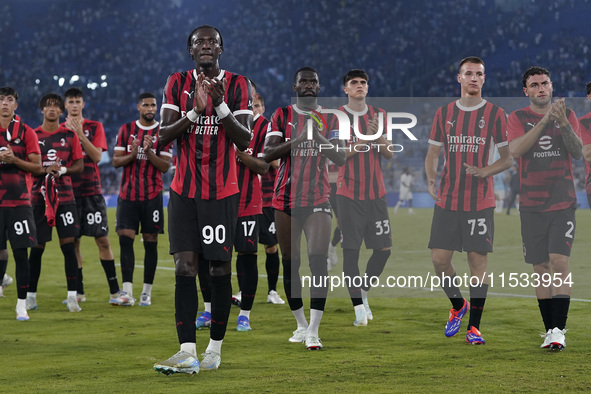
560 306
376 264
150 261
272 267
315 318
292 281
214 346
185 303
22 272
300 317
221 302
3 265
80 284
35 268
244 313
207 306
239 271
477 300
545 305
351 273
336 237
453 292
111 273
204 279
250 279
127 258
70 265
190 348
128 288
319 289
147 289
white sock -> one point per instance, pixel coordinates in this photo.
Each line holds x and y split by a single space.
358 308
21 305
190 348
128 288
72 293
32 295
244 313
207 306
147 289
315 318
300 318
364 293
214 346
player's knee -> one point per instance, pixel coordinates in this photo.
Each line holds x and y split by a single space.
271 249
220 268
185 264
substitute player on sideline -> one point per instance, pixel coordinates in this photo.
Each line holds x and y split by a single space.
140 195
61 156
463 218
207 111
301 199
361 194
92 210
19 155
544 137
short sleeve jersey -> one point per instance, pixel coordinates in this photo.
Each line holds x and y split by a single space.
88 183
361 177
302 177
140 180
545 170
61 147
251 199
467 135
206 155
13 184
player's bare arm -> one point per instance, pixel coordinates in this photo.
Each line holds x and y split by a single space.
32 164
571 140
162 163
56 170
256 165
504 162
93 152
431 162
237 128
173 125
120 159
520 145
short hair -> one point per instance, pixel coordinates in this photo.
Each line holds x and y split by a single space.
470 59
8 91
534 70
145 95
52 97
588 88
355 73
74 92
305 68
260 98
204 27
254 85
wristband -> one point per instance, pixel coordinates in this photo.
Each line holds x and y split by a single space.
192 115
222 110
62 170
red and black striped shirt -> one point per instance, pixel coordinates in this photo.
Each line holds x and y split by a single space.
13 185
585 129
361 177
140 180
61 147
251 199
545 170
467 135
206 155
88 183
302 177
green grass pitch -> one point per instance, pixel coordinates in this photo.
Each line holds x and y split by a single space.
112 349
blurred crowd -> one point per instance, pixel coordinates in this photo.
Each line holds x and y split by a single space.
118 50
